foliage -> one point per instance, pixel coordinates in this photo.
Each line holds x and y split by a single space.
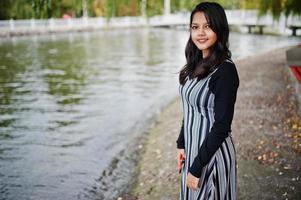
154 7
276 7
9 9
24 9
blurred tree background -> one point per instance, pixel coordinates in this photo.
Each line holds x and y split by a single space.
43 9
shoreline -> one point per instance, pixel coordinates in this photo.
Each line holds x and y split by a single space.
268 152
41 32
120 175
236 18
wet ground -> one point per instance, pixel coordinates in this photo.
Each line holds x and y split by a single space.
266 130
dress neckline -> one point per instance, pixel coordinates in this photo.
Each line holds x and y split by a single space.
215 68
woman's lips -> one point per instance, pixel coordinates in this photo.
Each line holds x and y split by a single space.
202 40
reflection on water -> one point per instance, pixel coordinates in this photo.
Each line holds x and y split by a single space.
71 103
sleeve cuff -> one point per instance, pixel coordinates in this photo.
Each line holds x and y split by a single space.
196 168
180 146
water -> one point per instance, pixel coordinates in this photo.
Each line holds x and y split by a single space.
71 103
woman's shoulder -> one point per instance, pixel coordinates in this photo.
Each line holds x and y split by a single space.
225 72
227 67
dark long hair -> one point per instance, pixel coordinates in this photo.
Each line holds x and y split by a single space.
196 65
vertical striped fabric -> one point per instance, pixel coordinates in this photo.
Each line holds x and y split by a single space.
219 177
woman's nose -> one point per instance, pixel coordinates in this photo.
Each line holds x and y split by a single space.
201 31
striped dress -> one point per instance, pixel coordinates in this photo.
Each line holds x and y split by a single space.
208 108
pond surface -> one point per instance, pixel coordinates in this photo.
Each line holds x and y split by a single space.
70 103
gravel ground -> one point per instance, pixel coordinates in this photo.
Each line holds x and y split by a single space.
266 130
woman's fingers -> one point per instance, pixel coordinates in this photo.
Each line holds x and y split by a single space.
192 182
180 158
179 163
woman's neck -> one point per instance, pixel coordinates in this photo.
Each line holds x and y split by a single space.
205 53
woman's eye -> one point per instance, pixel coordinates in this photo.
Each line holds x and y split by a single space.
194 27
207 26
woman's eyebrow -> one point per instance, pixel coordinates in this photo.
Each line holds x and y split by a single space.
195 23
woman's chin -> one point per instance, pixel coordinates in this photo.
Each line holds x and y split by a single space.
201 48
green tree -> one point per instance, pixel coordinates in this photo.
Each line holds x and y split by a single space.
188 5
10 9
42 8
112 8
5 7
276 7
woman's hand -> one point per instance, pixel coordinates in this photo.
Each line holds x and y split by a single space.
192 182
180 158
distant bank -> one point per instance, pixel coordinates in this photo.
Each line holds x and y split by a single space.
239 20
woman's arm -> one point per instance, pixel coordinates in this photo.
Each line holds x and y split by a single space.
181 146
223 84
180 140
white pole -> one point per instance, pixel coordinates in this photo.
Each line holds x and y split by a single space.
51 24
85 9
11 24
143 8
166 7
32 23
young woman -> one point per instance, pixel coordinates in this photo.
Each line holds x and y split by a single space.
208 87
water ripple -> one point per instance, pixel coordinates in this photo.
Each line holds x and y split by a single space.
71 105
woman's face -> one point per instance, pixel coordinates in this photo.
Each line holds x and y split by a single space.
201 33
